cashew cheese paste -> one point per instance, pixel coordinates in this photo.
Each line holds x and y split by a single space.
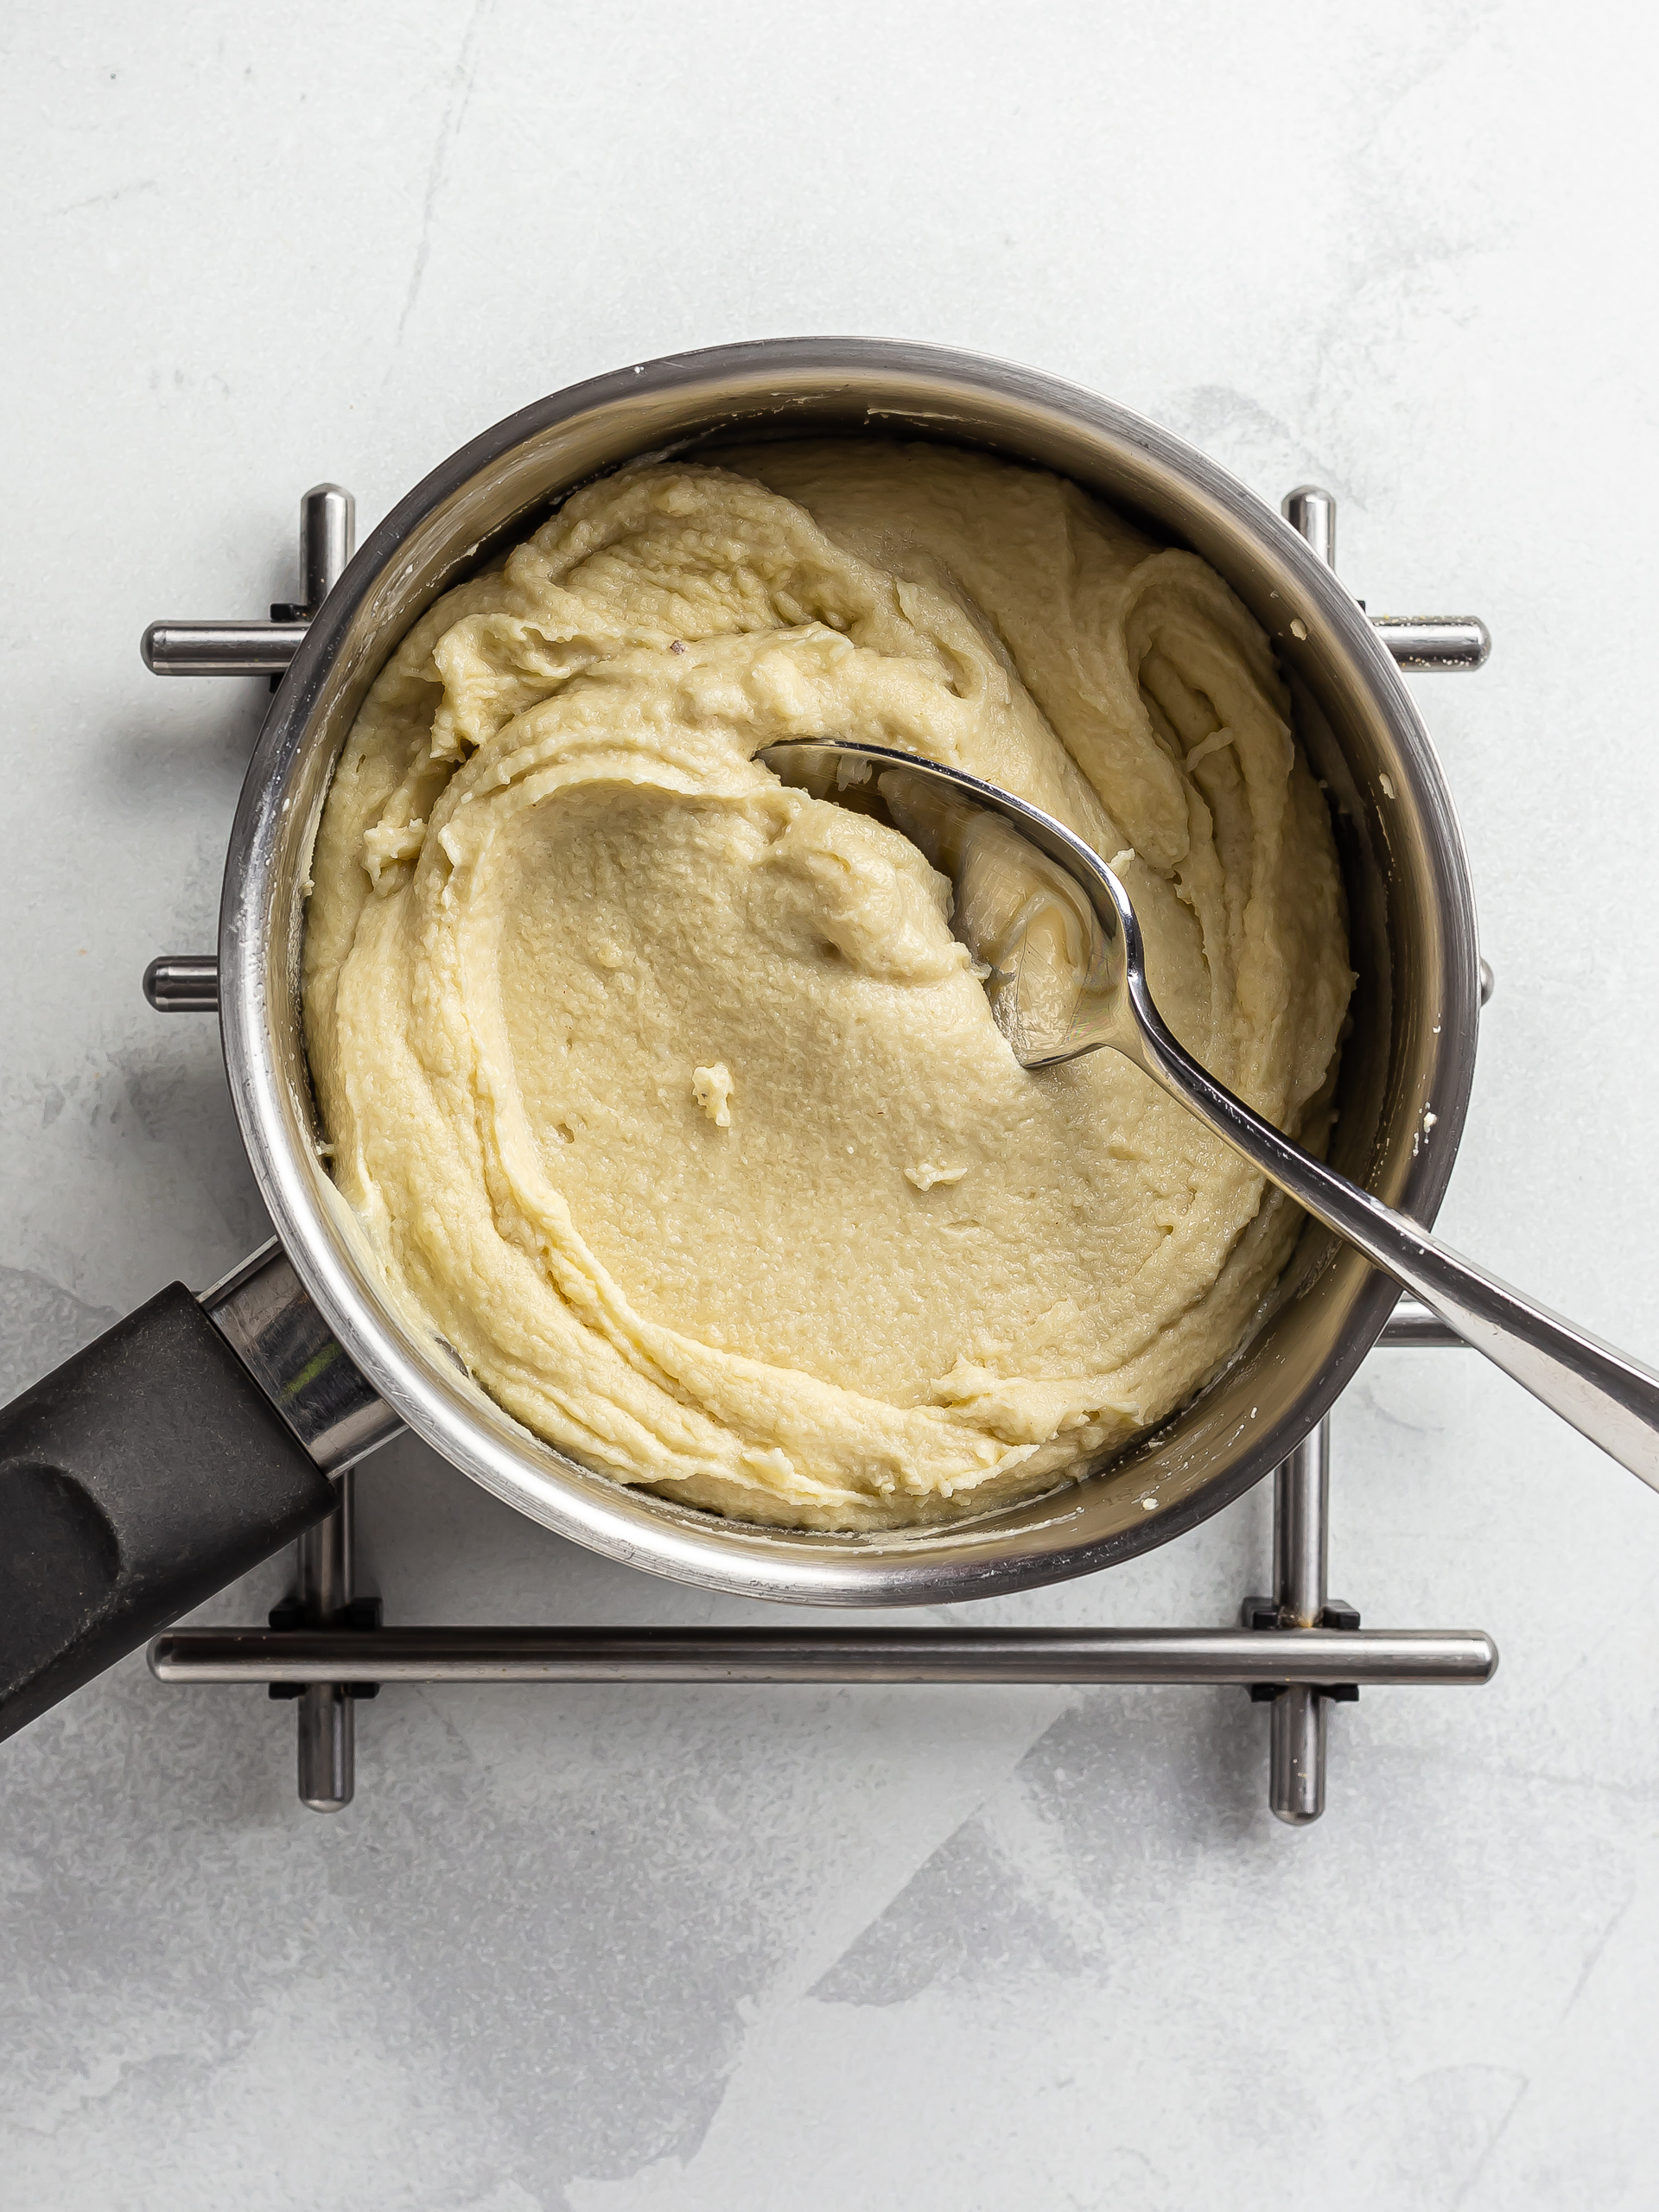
663 1093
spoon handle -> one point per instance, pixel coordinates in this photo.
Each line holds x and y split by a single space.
1607 1396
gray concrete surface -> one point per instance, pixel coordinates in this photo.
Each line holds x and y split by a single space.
620 1951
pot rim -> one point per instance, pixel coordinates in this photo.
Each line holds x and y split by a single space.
1017 1547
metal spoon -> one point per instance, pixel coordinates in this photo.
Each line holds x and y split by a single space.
1059 950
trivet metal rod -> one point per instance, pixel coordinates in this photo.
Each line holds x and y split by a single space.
1444 644
1448 1657
1447 643
183 982
327 527
327 1730
221 648
1300 1549
1311 513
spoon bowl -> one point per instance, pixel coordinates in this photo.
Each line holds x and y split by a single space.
1052 932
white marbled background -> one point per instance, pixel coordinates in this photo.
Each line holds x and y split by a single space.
626 1951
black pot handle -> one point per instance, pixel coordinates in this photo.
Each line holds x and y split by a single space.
146 1473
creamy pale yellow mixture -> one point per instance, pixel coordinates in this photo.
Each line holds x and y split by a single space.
665 1092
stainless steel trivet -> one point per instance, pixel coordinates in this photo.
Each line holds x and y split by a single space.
1297 1649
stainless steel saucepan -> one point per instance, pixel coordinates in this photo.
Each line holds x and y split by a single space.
199 1435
